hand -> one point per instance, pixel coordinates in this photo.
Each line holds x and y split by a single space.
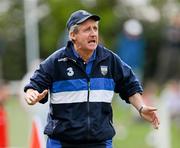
149 114
33 96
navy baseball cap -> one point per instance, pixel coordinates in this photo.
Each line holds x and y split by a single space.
80 16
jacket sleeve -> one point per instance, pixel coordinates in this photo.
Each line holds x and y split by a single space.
126 83
42 78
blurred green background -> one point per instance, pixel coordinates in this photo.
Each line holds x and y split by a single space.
53 14
154 15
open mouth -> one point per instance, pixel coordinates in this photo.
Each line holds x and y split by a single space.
92 41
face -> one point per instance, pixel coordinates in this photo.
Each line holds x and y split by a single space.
86 38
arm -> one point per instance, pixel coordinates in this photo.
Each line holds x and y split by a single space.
146 112
37 89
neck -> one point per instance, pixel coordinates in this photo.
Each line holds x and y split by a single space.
84 54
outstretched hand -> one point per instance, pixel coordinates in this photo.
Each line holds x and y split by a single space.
149 114
33 96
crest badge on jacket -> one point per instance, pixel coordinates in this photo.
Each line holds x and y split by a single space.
104 70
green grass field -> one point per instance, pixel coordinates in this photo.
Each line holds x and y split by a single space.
130 133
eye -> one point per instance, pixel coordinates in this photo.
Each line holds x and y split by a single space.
87 29
95 28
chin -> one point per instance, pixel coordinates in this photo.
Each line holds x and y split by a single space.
92 48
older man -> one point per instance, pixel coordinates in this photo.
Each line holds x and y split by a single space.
82 78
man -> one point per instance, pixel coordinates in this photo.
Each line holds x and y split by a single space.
81 79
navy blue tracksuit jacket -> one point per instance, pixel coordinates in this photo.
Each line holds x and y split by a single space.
80 104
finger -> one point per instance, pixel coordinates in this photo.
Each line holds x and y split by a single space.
155 122
29 100
155 126
31 96
146 117
34 95
43 94
157 119
152 109
148 109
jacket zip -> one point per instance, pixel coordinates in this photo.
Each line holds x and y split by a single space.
88 107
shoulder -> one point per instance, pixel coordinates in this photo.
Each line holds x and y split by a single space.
54 57
114 58
57 54
104 51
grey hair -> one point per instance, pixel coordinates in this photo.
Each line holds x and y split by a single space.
74 29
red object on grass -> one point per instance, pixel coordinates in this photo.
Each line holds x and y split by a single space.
37 138
3 128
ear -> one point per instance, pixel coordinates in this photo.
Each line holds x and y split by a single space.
72 36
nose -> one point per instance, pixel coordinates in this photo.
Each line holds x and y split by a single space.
93 32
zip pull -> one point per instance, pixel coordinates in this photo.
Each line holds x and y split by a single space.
66 59
62 60
88 85
72 60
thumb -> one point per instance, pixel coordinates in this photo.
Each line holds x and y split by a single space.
149 108
43 94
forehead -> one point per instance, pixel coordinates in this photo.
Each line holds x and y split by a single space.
88 22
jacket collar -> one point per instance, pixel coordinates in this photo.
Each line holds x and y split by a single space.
101 53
